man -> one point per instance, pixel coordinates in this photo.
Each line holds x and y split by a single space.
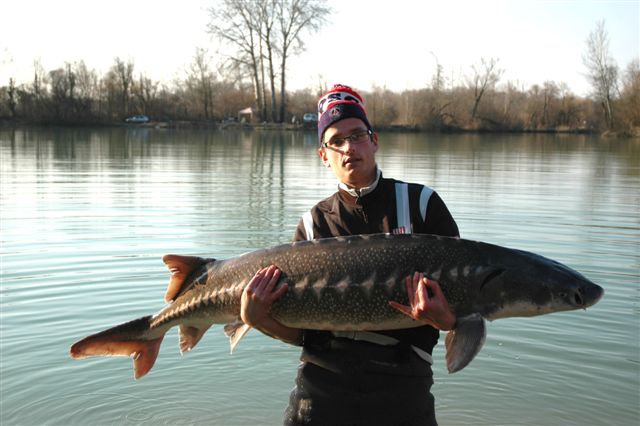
361 378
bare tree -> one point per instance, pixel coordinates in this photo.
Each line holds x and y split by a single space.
294 17
263 106
602 70
39 80
87 87
484 78
38 89
123 73
11 97
71 82
382 105
260 31
438 80
436 97
202 78
116 88
323 86
144 91
267 20
61 93
569 114
509 99
630 95
550 94
237 23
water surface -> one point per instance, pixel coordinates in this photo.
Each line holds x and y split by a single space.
86 215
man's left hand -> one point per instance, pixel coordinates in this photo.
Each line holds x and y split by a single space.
427 303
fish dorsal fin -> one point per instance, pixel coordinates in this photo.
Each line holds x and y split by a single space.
235 331
190 336
464 343
180 268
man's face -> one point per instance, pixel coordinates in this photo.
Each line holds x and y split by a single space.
353 163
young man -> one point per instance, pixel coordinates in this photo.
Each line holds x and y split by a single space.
381 378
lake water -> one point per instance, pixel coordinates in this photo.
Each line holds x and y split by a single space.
86 215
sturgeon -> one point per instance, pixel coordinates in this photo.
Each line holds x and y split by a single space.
345 284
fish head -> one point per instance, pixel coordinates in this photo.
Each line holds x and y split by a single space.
526 284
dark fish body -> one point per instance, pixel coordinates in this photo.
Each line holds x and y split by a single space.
346 283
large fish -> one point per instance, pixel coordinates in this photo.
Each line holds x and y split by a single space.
346 283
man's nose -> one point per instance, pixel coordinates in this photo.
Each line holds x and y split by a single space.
348 147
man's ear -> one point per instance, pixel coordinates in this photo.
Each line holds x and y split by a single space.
374 140
323 156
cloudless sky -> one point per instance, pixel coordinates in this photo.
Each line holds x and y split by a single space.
392 43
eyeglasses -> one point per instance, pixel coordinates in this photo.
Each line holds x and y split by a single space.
354 138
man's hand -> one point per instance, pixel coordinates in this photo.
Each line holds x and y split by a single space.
259 295
427 303
257 298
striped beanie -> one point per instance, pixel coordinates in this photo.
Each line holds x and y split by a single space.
337 104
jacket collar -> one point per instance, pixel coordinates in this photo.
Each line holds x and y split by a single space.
361 192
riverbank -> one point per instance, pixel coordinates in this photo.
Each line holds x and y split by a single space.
234 125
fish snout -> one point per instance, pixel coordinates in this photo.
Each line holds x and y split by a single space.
581 297
593 293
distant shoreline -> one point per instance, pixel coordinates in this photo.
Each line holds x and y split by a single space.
214 125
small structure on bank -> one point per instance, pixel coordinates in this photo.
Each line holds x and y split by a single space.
245 115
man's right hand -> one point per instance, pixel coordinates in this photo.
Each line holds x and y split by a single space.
259 295
257 298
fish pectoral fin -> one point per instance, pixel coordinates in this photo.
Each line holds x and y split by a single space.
235 331
126 339
190 336
180 268
464 343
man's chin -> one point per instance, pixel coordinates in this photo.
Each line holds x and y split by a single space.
350 177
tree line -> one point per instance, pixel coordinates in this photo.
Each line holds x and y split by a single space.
260 37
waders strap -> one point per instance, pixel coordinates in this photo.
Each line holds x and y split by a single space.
381 339
367 336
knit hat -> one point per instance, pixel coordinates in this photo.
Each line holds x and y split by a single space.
337 104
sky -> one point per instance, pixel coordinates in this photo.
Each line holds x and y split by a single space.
364 43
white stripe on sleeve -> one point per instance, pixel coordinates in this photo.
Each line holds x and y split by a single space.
424 201
402 207
307 221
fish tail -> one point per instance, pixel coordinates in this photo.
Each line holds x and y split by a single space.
133 338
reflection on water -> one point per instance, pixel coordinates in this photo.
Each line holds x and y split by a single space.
86 214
